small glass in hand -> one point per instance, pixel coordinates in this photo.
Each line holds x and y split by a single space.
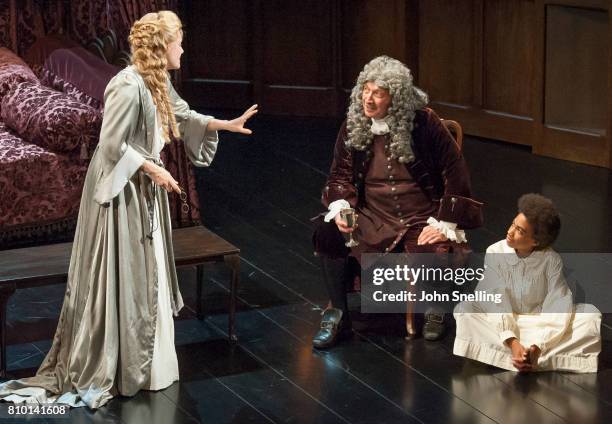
349 216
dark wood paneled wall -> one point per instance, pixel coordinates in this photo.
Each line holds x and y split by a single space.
298 57
290 57
532 72
477 64
575 81
371 28
508 57
446 51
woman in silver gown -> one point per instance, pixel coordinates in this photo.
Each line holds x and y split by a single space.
115 333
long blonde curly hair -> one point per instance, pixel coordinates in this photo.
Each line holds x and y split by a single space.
149 39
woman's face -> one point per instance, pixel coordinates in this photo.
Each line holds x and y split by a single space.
376 100
520 235
173 55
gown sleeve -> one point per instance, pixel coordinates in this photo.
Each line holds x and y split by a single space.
120 160
200 142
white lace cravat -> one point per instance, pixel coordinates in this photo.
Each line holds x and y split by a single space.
379 126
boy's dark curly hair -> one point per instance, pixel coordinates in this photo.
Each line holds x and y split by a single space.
543 218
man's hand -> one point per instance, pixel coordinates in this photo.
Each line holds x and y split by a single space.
430 235
342 224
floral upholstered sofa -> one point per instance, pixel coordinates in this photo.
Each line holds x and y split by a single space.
50 119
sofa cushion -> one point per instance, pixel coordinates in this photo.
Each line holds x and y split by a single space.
51 80
50 119
13 70
37 186
65 66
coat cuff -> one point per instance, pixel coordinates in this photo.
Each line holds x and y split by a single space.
449 229
335 207
112 184
465 212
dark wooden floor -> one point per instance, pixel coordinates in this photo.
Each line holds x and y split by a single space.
260 194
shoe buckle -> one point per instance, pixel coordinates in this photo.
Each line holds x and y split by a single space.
437 318
327 325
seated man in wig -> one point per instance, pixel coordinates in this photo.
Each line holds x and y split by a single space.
396 164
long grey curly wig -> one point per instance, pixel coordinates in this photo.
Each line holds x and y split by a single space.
394 76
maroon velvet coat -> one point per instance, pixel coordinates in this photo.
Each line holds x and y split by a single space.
435 184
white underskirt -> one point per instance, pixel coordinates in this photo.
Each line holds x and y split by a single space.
164 365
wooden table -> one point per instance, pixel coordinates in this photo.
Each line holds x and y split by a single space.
44 265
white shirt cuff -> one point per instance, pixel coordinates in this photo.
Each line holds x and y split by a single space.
449 229
334 208
505 335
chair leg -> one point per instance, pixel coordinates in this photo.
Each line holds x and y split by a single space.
233 261
410 322
411 327
199 289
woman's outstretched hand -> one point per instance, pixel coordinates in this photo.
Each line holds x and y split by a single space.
237 124
234 125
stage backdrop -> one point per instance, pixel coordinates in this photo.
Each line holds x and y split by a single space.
532 72
23 21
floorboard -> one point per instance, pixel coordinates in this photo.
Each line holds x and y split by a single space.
260 194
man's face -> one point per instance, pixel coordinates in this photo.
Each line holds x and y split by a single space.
376 100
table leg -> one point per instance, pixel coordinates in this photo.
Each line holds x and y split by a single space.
233 261
199 287
6 291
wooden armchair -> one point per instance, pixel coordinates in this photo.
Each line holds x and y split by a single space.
457 132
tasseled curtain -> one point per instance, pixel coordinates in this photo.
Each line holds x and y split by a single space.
23 21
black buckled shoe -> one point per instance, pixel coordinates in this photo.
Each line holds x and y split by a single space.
333 327
434 326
